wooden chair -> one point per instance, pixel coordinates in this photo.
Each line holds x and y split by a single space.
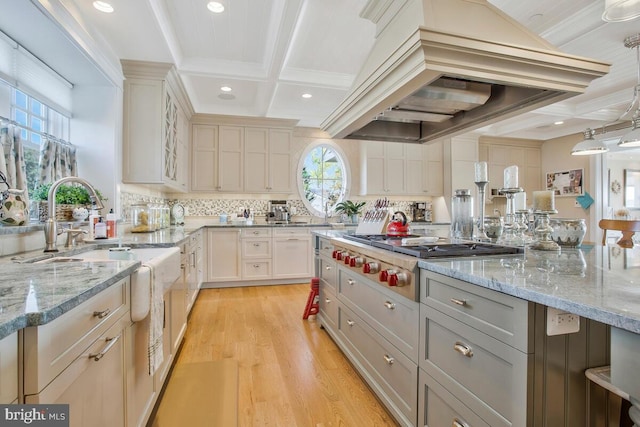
628 228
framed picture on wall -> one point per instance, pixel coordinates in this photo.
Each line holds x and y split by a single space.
566 183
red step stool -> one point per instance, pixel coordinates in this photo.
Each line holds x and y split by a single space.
312 304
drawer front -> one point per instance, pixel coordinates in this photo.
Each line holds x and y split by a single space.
52 347
256 248
325 247
395 375
438 407
504 317
484 369
291 232
328 304
255 232
256 270
327 272
395 317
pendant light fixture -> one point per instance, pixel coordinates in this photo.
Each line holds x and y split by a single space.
589 145
620 10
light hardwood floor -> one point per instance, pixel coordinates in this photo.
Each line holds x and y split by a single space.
290 372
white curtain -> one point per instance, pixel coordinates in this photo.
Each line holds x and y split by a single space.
12 164
57 160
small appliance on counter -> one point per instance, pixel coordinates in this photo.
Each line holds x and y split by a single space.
278 211
420 210
398 226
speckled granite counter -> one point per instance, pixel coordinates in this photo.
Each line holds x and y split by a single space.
599 283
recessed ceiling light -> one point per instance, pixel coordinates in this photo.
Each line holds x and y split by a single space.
559 122
215 7
225 89
103 6
307 95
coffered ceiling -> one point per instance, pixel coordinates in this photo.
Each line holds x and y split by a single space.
270 52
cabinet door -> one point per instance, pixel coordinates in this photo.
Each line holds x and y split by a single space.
292 257
415 169
205 158
280 167
170 139
183 152
224 255
256 154
9 369
179 308
142 131
395 168
373 168
93 385
434 169
230 160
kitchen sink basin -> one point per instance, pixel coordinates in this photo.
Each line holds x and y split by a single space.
158 264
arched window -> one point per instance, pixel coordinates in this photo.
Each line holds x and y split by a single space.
323 178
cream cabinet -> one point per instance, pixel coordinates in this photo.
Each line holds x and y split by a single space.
224 255
392 168
241 159
256 253
526 156
155 126
292 253
267 161
78 359
9 369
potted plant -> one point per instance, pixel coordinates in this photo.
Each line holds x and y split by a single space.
350 209
68 197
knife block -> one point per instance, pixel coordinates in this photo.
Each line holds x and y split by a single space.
377 226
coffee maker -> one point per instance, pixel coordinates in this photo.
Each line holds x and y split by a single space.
419 211
278 211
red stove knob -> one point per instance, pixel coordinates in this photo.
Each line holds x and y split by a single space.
339 255
347 259
370 267
398 279
355 261
334 254
384 275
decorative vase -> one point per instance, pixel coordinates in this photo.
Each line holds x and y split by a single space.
568 231
354 218
14 209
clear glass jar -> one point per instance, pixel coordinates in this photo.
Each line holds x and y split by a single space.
141 218
166 216
462 215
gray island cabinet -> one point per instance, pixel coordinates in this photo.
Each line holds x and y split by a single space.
484 357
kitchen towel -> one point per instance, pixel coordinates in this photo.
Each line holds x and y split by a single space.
155 352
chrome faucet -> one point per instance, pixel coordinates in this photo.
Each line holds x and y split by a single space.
51 226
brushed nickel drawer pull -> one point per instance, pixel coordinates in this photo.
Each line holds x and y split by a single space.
327 300
256 265
389 305
457 423
101 314
463 349
388 359
328 267
457 301
350 322
111 342
351 281
256 245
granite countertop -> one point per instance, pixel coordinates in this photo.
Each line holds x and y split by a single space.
34 294
596 282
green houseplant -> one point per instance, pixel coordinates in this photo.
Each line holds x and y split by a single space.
351 209
67 197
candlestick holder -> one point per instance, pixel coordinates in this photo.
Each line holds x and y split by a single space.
543 230
510 227
521 225
481 235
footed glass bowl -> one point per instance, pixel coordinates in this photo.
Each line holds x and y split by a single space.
568 231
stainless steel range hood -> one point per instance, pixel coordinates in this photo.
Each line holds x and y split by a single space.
440 68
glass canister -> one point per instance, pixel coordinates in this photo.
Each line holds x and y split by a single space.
141 218
462 215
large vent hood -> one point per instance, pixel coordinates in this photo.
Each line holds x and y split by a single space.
439 68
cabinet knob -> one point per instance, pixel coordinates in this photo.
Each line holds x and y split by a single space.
351 282
389 305
388 359
350 322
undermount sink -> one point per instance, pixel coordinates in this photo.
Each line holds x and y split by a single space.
157 264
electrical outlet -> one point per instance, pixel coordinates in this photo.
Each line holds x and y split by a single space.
560 322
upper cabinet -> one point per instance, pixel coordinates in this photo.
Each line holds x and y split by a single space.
392 168
236 158
156 132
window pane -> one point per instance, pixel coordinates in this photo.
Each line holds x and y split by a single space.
37 108
323 179
36 124
36 138
21 99
21 117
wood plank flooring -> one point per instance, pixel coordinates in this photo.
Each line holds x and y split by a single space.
290 372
